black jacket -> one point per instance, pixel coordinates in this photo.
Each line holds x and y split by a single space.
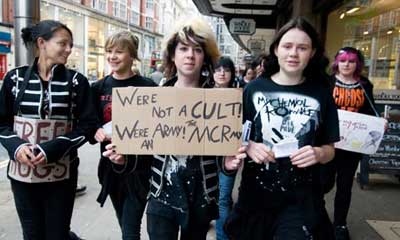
135 174
69 99
210 166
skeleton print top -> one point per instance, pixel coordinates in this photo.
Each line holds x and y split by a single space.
305 112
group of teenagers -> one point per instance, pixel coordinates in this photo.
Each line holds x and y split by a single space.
279 197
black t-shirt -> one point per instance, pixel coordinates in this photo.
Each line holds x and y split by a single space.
103 95
306 112
349 97
102 91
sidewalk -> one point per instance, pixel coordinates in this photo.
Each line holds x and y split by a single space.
379 202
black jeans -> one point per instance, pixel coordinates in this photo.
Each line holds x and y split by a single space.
129 209
163 228
291 224
45 209
346 165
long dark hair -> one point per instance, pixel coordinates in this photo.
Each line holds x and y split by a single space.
315 70
44 29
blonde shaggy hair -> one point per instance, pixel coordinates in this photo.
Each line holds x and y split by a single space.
124 40
195 31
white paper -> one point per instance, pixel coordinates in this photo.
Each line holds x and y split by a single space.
359 132
285 147
108 129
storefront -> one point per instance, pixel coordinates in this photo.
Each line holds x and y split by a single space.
372 26
90 31
74 21
96 41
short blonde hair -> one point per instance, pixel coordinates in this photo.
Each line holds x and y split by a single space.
124 40
136 71
195 31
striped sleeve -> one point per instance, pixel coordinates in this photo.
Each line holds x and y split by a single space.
8 138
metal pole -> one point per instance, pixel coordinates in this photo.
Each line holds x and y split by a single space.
26 13
374 53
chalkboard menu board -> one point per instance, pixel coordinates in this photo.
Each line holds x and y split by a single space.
387 159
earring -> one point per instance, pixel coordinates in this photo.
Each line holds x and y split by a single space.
204 71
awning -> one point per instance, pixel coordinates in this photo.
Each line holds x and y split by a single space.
252 23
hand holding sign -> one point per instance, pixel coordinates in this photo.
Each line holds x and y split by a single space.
234 162
111 154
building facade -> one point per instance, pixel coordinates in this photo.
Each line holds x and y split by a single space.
91 22
226 45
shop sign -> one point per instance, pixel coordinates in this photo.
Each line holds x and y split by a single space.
256 45
248 58
242 26
5 42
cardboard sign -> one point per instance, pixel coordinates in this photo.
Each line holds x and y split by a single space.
37 131
178 121
359 132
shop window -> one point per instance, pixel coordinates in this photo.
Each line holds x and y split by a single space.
74 21
149 45
47 11
374 28
96 42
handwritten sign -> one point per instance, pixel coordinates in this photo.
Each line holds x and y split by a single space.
359 132
178 121
37 131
